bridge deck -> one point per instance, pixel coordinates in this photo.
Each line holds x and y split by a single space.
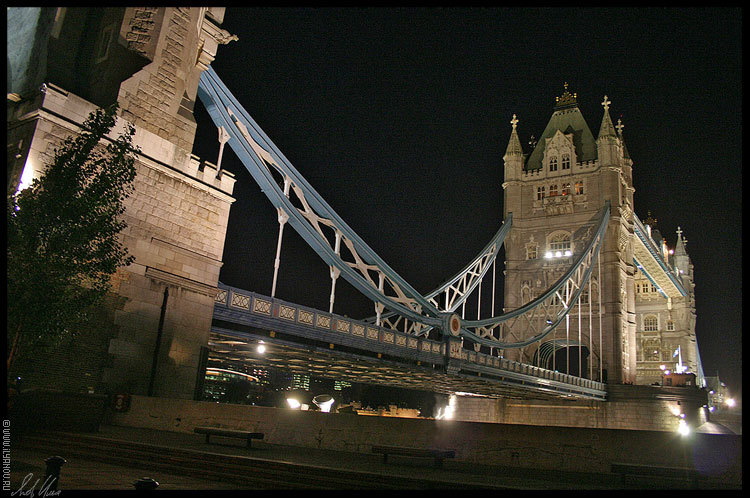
361 352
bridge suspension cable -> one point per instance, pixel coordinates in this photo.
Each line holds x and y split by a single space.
349 256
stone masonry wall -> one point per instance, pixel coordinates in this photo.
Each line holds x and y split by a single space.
152 97
553 448
630 407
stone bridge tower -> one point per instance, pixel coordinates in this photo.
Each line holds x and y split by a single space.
553 192
153 333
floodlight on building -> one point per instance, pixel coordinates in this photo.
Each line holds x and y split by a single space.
558 254
730 402
663 367
683 428
548 255
324 402
26 177
568 253
261 348
293 403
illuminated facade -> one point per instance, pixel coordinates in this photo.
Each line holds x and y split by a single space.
553 192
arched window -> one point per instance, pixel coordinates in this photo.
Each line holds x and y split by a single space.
670 325
553 164
566 189
566 161
553 190
539 193
579 188
531 251
559 245
650 324
560 242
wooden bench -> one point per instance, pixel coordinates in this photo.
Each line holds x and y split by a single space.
437 454
217 431
633 470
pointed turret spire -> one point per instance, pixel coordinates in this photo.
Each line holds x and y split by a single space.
513 154
607 129
514 144
679 249
619 127
607 143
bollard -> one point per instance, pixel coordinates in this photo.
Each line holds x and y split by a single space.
145 484
52 474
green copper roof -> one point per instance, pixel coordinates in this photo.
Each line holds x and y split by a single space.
567 120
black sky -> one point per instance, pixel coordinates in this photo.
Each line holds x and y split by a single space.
399 118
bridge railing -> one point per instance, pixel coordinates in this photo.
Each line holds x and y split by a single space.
280 314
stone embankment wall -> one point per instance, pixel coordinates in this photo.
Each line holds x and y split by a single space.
541 447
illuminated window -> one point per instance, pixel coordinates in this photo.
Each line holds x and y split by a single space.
553 164
566 189
539 193
553 190
531 251
650 324
670 325
560 242
566 161
579 188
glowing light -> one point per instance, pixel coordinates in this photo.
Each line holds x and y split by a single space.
568 253
324 402
729 402
683 428
293 403
666 372
663 367
682 415
241 374
711 408
446 413
548 255
26 177
261 348
671 251
558 254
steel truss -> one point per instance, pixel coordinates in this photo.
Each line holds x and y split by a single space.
349 256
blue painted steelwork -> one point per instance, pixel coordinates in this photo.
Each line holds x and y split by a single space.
642 234
492 325
260 156
235 307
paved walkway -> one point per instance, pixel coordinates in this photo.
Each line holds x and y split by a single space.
80 473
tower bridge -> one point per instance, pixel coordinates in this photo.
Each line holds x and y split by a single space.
512 354
591 295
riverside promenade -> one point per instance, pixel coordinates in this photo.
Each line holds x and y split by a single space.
116 457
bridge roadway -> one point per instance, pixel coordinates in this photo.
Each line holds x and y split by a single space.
313 342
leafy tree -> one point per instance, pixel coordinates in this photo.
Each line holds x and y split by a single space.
63 235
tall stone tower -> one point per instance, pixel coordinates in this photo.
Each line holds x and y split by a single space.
554 192
153 333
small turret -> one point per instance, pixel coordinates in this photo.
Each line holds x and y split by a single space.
513 154
607 142
681 258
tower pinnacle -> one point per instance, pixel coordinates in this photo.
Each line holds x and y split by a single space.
607 129
514 144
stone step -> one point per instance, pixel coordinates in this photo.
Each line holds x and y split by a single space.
254 472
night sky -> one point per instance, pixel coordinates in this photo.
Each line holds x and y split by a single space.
400 118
